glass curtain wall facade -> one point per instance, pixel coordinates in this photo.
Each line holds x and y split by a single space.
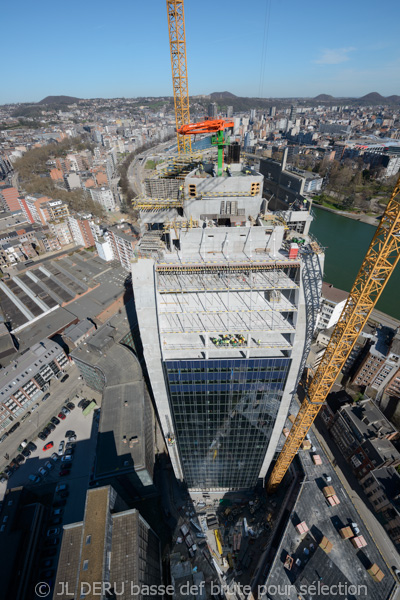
224 412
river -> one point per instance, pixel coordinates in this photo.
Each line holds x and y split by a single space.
346 242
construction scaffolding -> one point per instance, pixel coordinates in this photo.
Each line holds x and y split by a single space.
147 204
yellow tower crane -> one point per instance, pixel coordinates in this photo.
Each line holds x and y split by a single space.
177 42
381 258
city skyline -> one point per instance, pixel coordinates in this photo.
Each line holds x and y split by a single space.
269 50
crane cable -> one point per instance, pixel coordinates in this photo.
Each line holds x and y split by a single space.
264 46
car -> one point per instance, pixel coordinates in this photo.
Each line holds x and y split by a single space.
20 459
69 452
46 574
22 445
51 426
34 407
72 438
25 416
70 405
53 541
64 472
3 479
55 421
42 471
85 404
396 571
45 397
59 503
14 464
4 437
54 456
81 402
49 465
61 486
49 552
8 471
45 564
66 458
46 431
55 521
48 446
14 427
69 433
26 452
53 531
61 416
65 410
42 436
70 445
59 511
64 378
61 447
64 494
34 478
32 446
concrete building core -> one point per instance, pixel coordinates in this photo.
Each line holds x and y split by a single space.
226 305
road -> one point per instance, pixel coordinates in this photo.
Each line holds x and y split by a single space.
356 494
136 171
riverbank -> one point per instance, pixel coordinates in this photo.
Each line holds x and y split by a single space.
362 217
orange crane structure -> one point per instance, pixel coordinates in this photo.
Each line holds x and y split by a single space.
177 42
382 257
210 126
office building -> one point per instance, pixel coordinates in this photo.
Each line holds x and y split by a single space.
229 112
112 545
213 110
224 323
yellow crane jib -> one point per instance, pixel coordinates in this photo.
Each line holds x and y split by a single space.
379 263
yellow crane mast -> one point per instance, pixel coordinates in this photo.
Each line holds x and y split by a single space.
177 42
381 258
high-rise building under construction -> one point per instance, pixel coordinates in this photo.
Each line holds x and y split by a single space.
226 295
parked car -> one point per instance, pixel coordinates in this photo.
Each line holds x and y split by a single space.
45 564
64 494
46 574
55 521
64 378
51 426
42 471
14 427
72 438
34 407
53 541
81 402
55 421
49 465
61 486
65 410
20 459
69 432
54 456
53 531
45 397
59 511
66 458
26 452
64 472
49 552
70 405
42 436
22 445
3 478
34 478
48 446
61 447
32 446
85 404
69 452
61 416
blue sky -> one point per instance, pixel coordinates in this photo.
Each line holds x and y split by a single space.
107 49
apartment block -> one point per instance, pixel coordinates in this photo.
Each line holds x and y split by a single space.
9 198
61 231
81 230
382 487
31 206
332 303
122 243
380 368
103 196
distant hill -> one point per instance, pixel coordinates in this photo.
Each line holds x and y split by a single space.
222 96
395 99
324 98
59 100
373 98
